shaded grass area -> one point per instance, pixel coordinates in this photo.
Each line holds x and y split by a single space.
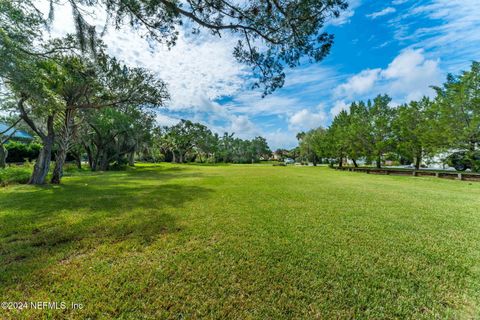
243 241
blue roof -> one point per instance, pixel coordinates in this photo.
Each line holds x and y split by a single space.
18 135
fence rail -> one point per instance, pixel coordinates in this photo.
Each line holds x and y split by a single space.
454 175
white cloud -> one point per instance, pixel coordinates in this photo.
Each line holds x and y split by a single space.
411 74
281 139
408 77
399 2
444 28
242 126
338 107
164 120
381 13
359 84
345 15
306 119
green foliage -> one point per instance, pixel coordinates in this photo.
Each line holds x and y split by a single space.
313 145
456 110
109 135
412 130
15 174
188 141
20 152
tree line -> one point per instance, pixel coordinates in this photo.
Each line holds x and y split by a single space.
188 141
374 130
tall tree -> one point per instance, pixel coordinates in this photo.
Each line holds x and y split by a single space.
411 128
338 134
100 84
457 107
112 134
381 117
183 137
318 143
359 137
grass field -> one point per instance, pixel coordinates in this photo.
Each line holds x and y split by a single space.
242 242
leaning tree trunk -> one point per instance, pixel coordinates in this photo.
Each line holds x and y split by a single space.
355 163
42 165
3 156
63 146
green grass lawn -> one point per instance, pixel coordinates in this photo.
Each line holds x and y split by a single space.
242 242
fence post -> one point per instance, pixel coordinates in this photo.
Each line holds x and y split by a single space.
459 176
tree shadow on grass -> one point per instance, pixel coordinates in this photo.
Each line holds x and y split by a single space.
43 225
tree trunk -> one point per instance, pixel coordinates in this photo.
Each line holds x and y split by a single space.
89 156
180 157
42 165
418 160
78 160
103 162
131 158
379 162
355 163
65 136
340 162
3 156
174 157
59 162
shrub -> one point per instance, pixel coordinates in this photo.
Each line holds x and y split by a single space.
15 174
19 152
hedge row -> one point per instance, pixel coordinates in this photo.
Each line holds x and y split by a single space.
19 152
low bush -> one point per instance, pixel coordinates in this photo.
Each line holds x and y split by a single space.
15 174
19 152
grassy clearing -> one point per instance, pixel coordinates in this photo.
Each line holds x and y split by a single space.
245 242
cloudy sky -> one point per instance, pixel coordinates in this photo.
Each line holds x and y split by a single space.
398 47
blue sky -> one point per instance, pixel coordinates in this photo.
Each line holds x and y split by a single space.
399 47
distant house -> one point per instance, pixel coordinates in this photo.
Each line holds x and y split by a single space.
19 135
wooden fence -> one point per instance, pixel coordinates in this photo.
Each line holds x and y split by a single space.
454 175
